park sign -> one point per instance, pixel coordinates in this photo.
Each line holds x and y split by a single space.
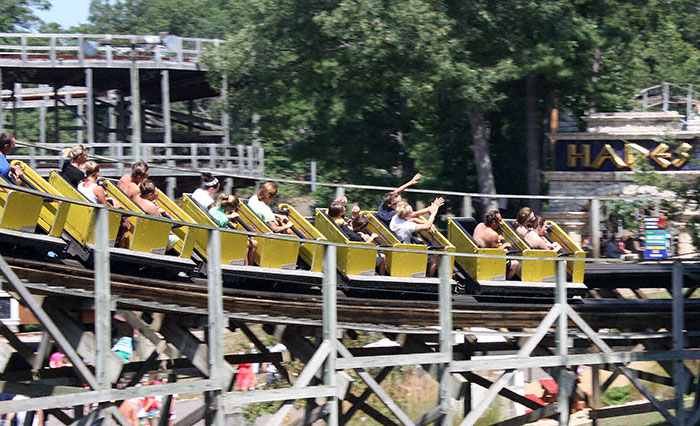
621 155
655 238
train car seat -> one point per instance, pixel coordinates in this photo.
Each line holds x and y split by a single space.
311 254
459 232
185 245
350 260
53 214
271 252
233 246
82 218
147 235
570 249
530 270
398 264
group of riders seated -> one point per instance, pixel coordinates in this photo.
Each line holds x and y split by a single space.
398 215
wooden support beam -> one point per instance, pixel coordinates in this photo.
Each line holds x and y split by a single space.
374 414
59 414
42 352
628 409
193 417
432 416
161 345
85 344
360 401
263 350
376 388
22 349
505 392
308 373
312 416
48 324
548 411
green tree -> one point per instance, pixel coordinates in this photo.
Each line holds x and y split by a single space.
17 15
186 18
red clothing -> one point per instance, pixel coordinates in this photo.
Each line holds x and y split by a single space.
245 379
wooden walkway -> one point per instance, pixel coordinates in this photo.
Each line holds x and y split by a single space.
120 89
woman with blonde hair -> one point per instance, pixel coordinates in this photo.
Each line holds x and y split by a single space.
75 156
89 187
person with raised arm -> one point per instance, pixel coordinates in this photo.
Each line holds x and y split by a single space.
386 210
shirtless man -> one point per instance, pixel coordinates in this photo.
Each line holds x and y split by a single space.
146 198
129 183
486 236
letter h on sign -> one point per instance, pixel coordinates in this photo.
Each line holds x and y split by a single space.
573 155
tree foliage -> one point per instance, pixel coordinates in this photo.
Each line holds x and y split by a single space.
17 15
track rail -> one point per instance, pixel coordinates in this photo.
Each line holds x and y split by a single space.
278 307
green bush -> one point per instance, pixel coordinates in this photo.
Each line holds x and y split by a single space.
617 396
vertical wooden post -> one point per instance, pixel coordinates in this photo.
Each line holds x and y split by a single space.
90 107
596 394
171 181
42 115
594 223
562 337
56 114
467 206
689 103
79 122
216 322
135 110
445 296
2 106
339 192
330 328
16 102
313 175
679 380
665 96
103 305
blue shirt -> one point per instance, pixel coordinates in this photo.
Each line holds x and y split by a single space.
5 168
385 213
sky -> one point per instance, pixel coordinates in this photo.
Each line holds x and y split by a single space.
66 13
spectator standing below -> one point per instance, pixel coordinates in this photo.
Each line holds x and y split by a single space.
224 214
524 216
7 144
76 156
124 348
535 235
129 183
205 193
260 205
485 236
402 225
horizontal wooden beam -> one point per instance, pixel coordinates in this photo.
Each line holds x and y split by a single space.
82 398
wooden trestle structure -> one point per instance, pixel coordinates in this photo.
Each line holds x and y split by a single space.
120 91
202 366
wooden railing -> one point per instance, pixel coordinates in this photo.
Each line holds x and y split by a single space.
174 158
69 50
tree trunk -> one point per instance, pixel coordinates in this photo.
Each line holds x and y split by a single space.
482 160
533 145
